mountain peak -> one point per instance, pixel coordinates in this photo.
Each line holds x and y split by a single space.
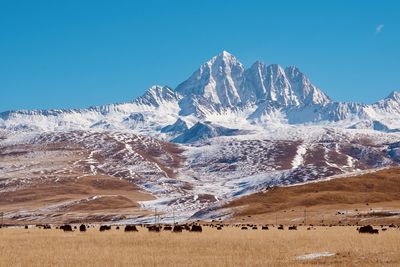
257 64
292 69
395 95
156 95
223 57
276 69
224 81
225 54
216 81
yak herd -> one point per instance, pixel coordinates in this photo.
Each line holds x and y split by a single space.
196 227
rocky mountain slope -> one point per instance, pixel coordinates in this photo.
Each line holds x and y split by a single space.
225 132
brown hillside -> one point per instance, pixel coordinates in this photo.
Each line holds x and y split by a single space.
373 197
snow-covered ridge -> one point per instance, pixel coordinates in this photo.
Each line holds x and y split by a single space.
223 92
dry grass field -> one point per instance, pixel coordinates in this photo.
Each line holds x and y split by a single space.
228 247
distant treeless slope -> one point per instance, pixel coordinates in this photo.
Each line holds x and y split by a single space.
89 199
81 176
367 198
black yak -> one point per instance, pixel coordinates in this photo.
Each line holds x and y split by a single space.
105 228
153 228
130 228
368 229
196 228
66 228
177 229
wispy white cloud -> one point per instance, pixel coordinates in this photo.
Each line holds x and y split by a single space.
379 28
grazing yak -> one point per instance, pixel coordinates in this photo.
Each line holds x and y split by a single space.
168 228
130 228
66 228
292 227
196 228
244 228
368 229
264 227
82 228
280 227
153 228
105 228
177 229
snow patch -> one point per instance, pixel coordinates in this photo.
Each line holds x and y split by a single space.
315 255
298 159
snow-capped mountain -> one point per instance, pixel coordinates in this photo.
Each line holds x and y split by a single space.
223 80
218 81
237 131
224 92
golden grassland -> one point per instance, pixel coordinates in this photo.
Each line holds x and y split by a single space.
228 247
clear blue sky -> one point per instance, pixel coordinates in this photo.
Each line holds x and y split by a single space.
62 54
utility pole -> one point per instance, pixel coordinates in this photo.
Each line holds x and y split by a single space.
305 216
173 215
276 218
155 216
